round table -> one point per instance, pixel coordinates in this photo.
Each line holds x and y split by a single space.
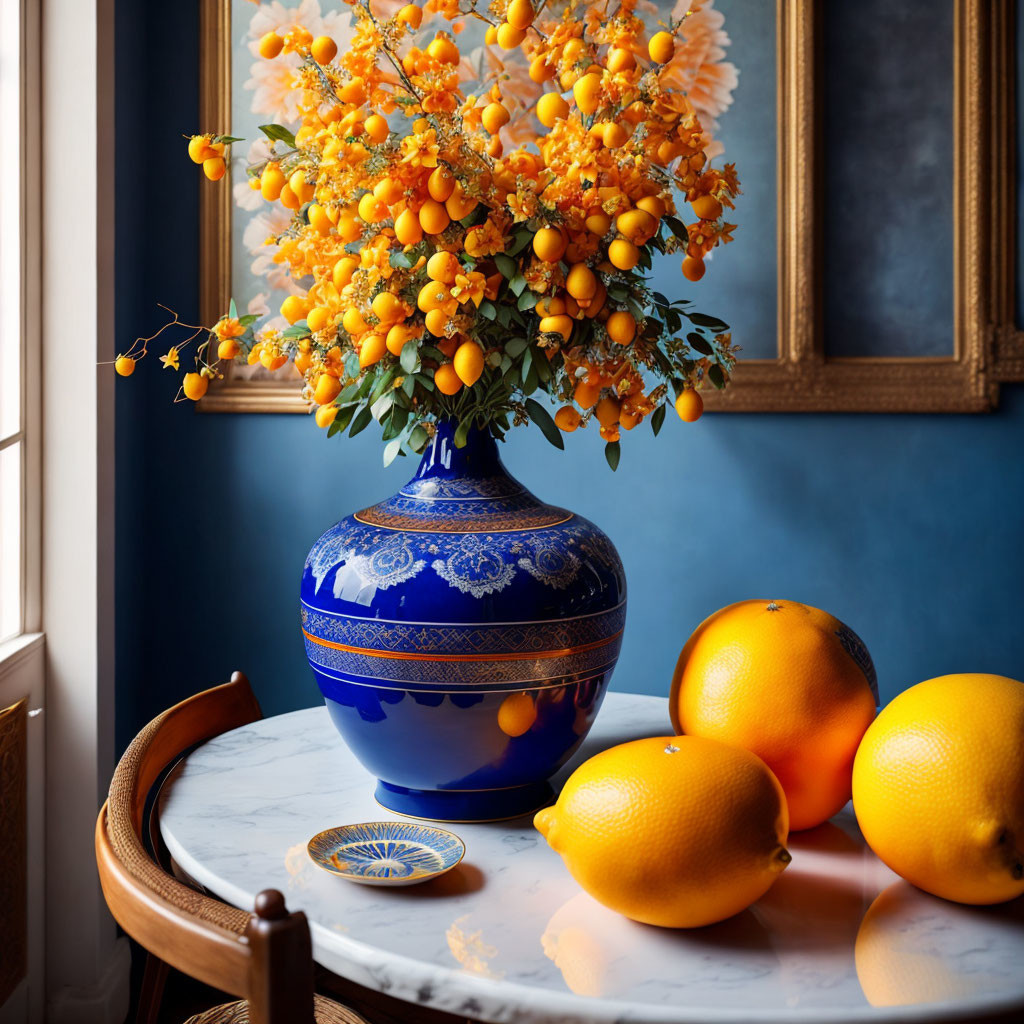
508 936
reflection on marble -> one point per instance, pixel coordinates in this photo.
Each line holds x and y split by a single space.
508 936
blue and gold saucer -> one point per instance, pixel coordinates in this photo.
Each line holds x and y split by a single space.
386 852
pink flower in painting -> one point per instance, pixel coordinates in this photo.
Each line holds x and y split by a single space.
272 81
699 66
269 223
247 198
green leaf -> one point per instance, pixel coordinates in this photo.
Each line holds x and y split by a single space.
524 369
517 284
660 299
381 405
462 431
700 344
299 329
227 139
677 227
418 438
410 357
249 318
409 385
344 418
391 450
612 451
361 422
401 260
527 300
504 315
716 376
712 323
506 265
515 347
232 310
278 133
522 240
543 419
542 366
488 310
658 419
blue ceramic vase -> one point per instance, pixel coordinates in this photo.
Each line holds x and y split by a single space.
463 634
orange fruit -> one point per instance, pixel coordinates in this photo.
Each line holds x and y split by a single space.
408 229
621 327
214 168
469 362
558 324
326 415
551 108
353 321
707 207
376 128
458 204
693 269
228 349
587 92
654 205
607 411
689 405
446 380
323 49
676 831
327 389
372 350
661 47
434 217
318 318
581 282
124 366
270 45
508 37
443 266
599 223
441 183
623 254
586 395
787 681
436 320
411 15
619 59
343 271
494 117
293 308
317 217
549 244
194 385
520 14
516 714
272 180
938 787
567 418
433 295
540 70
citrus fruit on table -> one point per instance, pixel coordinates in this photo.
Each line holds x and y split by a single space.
675 831
938 787
788 682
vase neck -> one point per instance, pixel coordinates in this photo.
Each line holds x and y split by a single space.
443 460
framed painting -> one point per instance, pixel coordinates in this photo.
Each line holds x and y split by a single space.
912 311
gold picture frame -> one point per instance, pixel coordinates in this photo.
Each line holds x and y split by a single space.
988 347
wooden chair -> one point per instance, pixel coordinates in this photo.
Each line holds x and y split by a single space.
265 957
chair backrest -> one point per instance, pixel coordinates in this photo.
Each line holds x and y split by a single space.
264 957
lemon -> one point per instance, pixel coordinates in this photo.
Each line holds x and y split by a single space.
676 831
938 787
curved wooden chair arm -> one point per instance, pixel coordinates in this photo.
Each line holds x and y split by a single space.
200 936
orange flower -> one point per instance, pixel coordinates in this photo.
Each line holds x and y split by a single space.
228 327
420 150
485 240
469 287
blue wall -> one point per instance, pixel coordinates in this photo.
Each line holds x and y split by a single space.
909 528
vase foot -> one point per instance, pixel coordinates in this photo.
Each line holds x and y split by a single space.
464 805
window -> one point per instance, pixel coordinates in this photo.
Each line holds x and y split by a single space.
19 348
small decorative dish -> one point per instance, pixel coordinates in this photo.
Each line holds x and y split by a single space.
386 852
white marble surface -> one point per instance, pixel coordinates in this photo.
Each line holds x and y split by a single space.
508 936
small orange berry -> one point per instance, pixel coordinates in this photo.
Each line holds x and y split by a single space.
551 108
494 117
623 254
411 15
214 168
441 183
446 380
377 127
540 70
194 385
293 308
326 415
327 389
520 14
693 269
433 217
272 180
318 318
661 47
408 229
689 405
372 350
270 45
509 37
549 244
567 419
228 349
124 365
621 327
353 321
443 266
586 395
324 49
707 207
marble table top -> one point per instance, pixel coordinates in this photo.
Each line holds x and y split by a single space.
509 937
